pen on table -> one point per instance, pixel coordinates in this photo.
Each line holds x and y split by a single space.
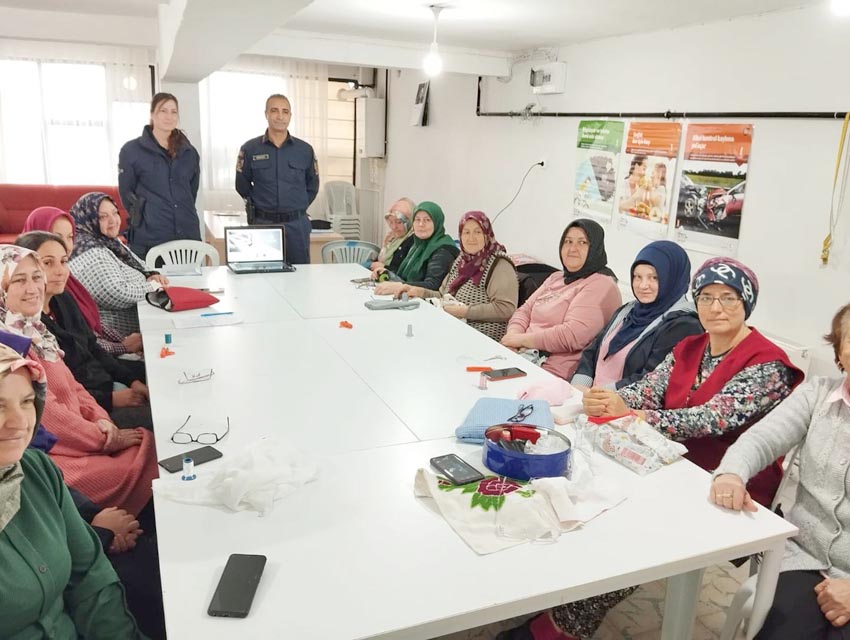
217 313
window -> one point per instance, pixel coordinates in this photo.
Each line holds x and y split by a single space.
59 124
340 135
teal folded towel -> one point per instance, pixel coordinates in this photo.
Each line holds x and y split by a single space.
489 411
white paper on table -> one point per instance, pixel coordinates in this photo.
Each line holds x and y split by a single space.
216 320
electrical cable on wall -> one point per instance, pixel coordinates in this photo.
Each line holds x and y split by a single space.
840 186
536 164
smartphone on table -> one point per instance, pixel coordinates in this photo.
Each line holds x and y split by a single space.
238 584
199 456
457 470
504 374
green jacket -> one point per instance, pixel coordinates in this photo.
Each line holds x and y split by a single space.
55 581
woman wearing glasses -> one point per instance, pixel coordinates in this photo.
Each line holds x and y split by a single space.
813 594
705 393
643 331
562 317
113 467
399 238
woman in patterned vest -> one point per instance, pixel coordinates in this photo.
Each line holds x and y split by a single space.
481 286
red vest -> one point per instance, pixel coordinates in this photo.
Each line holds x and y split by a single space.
708 451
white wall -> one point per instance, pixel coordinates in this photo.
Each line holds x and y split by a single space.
779 62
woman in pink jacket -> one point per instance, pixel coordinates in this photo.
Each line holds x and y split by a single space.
572 306
111 466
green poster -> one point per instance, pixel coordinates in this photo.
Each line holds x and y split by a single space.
597 161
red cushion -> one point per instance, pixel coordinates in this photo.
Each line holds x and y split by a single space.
18 200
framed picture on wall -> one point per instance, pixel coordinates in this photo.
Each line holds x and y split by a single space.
419 117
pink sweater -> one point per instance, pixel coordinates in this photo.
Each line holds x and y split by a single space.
565 318
122 479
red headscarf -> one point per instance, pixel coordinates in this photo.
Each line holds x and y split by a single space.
472 264
42 219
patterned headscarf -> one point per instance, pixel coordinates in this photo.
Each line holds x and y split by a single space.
402 210
597 259
42 219
88 236
472 264
733 274
414 263
43 341
12 476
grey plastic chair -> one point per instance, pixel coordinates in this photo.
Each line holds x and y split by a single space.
347 251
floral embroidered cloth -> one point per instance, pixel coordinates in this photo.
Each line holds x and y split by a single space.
497 513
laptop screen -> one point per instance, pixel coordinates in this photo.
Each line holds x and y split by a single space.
253 244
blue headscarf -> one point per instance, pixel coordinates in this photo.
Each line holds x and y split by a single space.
673 267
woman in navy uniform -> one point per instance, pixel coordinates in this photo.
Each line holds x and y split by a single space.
278 176
158 177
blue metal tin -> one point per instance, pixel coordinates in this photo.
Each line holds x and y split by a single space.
525 466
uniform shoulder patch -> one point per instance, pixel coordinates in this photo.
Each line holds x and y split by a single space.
315 165
240 161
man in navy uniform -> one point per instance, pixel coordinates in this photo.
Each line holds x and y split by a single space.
278 176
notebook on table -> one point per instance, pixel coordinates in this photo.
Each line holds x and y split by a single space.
257 249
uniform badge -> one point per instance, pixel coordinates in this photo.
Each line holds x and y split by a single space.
260 156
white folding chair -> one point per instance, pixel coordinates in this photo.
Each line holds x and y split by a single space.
349 251
182 252
741 607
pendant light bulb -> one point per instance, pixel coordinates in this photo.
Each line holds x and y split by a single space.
432 64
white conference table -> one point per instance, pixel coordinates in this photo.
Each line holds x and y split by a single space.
355 554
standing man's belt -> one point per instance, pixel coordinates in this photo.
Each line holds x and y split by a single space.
281 216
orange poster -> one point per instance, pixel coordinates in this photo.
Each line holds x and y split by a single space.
719 142
648 167
713 185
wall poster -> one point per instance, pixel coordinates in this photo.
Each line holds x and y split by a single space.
647 170
712 186
597 159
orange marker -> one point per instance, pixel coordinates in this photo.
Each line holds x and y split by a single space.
478 369
345 324
165 352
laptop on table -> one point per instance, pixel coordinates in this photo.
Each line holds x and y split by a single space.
257 249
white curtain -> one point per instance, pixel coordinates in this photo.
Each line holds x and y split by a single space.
66 109
232 112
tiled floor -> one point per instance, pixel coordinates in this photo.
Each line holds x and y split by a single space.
639 617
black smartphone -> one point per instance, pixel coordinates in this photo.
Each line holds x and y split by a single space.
457 470
504 374
238 584
199 456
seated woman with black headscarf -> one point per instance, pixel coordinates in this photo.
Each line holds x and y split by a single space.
644 331
572 306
